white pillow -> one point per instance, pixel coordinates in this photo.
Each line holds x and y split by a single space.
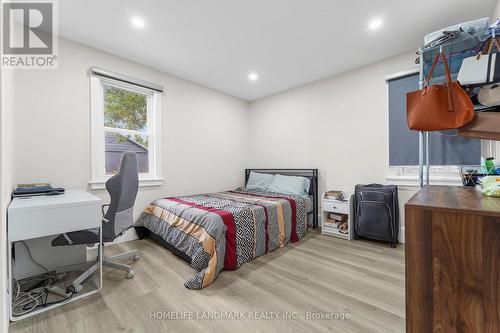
290 185
259 181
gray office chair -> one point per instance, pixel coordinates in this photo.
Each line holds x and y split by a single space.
122 188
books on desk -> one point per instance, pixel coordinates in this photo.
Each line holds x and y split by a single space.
37 189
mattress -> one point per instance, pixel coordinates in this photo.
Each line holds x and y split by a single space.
309 203
224 230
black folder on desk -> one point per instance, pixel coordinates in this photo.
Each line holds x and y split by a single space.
36 190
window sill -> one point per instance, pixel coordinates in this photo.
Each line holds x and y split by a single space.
146 182
448 175
413 180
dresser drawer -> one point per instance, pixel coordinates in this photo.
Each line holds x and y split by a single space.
335 206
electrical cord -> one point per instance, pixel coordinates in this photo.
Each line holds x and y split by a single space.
70 290
25 301
35 296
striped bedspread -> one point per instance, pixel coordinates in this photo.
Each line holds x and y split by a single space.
223 230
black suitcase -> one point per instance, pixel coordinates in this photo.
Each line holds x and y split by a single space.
376 213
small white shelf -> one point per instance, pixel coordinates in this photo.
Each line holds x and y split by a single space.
340 207
335 232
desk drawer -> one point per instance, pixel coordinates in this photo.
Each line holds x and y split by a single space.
334 206
52 221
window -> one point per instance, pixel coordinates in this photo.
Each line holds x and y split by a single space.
125 117
125 127
446 152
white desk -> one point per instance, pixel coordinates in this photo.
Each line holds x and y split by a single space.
34 217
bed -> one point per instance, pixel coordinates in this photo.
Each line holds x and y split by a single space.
221 231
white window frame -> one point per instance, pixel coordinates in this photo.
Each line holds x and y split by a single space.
154 100
438 174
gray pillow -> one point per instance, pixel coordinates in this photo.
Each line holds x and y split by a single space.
290 185
307 186
259 181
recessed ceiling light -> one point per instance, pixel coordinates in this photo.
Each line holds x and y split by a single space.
137 22
375 24
253 76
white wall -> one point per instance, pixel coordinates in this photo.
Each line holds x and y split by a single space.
5 181
204 132
338 125
496 11
6 153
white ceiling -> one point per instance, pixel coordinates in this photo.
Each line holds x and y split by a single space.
287 42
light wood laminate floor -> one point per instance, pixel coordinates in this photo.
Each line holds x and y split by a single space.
320 274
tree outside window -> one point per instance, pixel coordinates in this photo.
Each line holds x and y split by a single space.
125 127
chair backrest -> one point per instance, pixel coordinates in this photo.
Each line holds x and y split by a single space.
122 188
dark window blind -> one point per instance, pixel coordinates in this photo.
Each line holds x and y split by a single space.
403 142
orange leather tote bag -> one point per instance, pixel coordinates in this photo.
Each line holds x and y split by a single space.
439 107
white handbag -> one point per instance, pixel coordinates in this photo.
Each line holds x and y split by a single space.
489 95
481 68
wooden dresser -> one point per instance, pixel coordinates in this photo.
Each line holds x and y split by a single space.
452 261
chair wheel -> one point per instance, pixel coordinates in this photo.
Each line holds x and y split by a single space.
129 274
135 257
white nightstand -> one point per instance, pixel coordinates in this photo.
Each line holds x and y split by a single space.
340 207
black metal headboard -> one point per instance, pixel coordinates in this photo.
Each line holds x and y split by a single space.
311 174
